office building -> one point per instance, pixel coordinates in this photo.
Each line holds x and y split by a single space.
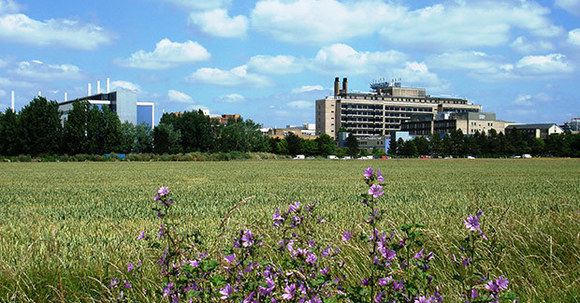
538 130
381 111
123 103
468 122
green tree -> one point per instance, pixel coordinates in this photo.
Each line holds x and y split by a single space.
128 137
95 130
112 134
41 127
310 147
326 145
143 138
422 145
166 139
75 129
352 145
409 149
294 144
392 146
9 134
435 144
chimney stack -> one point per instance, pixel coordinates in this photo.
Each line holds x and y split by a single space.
89 89
108 87
12 100
65 97
336 86
39 94
344 86
98 87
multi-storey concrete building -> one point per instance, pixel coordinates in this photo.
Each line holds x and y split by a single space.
468 122
380 112
539 130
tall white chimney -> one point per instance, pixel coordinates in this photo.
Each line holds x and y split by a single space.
12 100
89 90
98 87
39 94
65 97
108 87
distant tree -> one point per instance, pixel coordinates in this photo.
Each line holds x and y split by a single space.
409 149
143 139
41 128
310 147
95 130
75 129
435 144
393 146
112 134
352 145
294 144
10 144
422 145
326 145
128 137
166 139
400 143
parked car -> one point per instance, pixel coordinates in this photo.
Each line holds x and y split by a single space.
332 157
299 157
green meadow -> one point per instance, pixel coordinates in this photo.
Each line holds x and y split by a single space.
67 228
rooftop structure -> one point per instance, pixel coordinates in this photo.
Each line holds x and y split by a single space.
382 111
537 130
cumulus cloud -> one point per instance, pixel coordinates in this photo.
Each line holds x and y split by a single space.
200 5
453 25
523 46
218 23
523 99
125 85
178 96
167 54
38 70
8 6
275 64
300 104
8 83
341 58
231 98
572 6
464 60
418 73
53 32
238 76
3 63
552 64
320 21
307 88
574 37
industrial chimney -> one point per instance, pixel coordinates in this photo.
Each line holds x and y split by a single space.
65 97
108 87
89 89
344 86
98 87
12 100
336 86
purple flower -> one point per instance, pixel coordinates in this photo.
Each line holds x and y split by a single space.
289 292
162 191
247 239
141 235
294 207
346 235
311 258
368 173
492 286
226 292
230 258
161 231
375 190
385 281
277 218
419 254
130 268
474 293
472 223
127 284
324 271
422 299
380 176
398 285
167 289
502 282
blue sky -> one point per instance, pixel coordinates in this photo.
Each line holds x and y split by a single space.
269 60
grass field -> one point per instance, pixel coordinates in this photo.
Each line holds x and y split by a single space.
66 226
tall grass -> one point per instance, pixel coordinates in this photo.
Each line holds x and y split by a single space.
66 227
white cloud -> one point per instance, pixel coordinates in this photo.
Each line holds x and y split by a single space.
523 99
320 21
46 72
218 23
418 73
523 46
341 58
167 54
231 98
574 37
200 4
307 88
53 32
464 60
8 6
2 93
8 83
125 85
197 107
300 104
237 76
545 65
275 65
3 63
178 96
572 6
468 25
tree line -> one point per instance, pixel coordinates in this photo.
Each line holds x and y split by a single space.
491 145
